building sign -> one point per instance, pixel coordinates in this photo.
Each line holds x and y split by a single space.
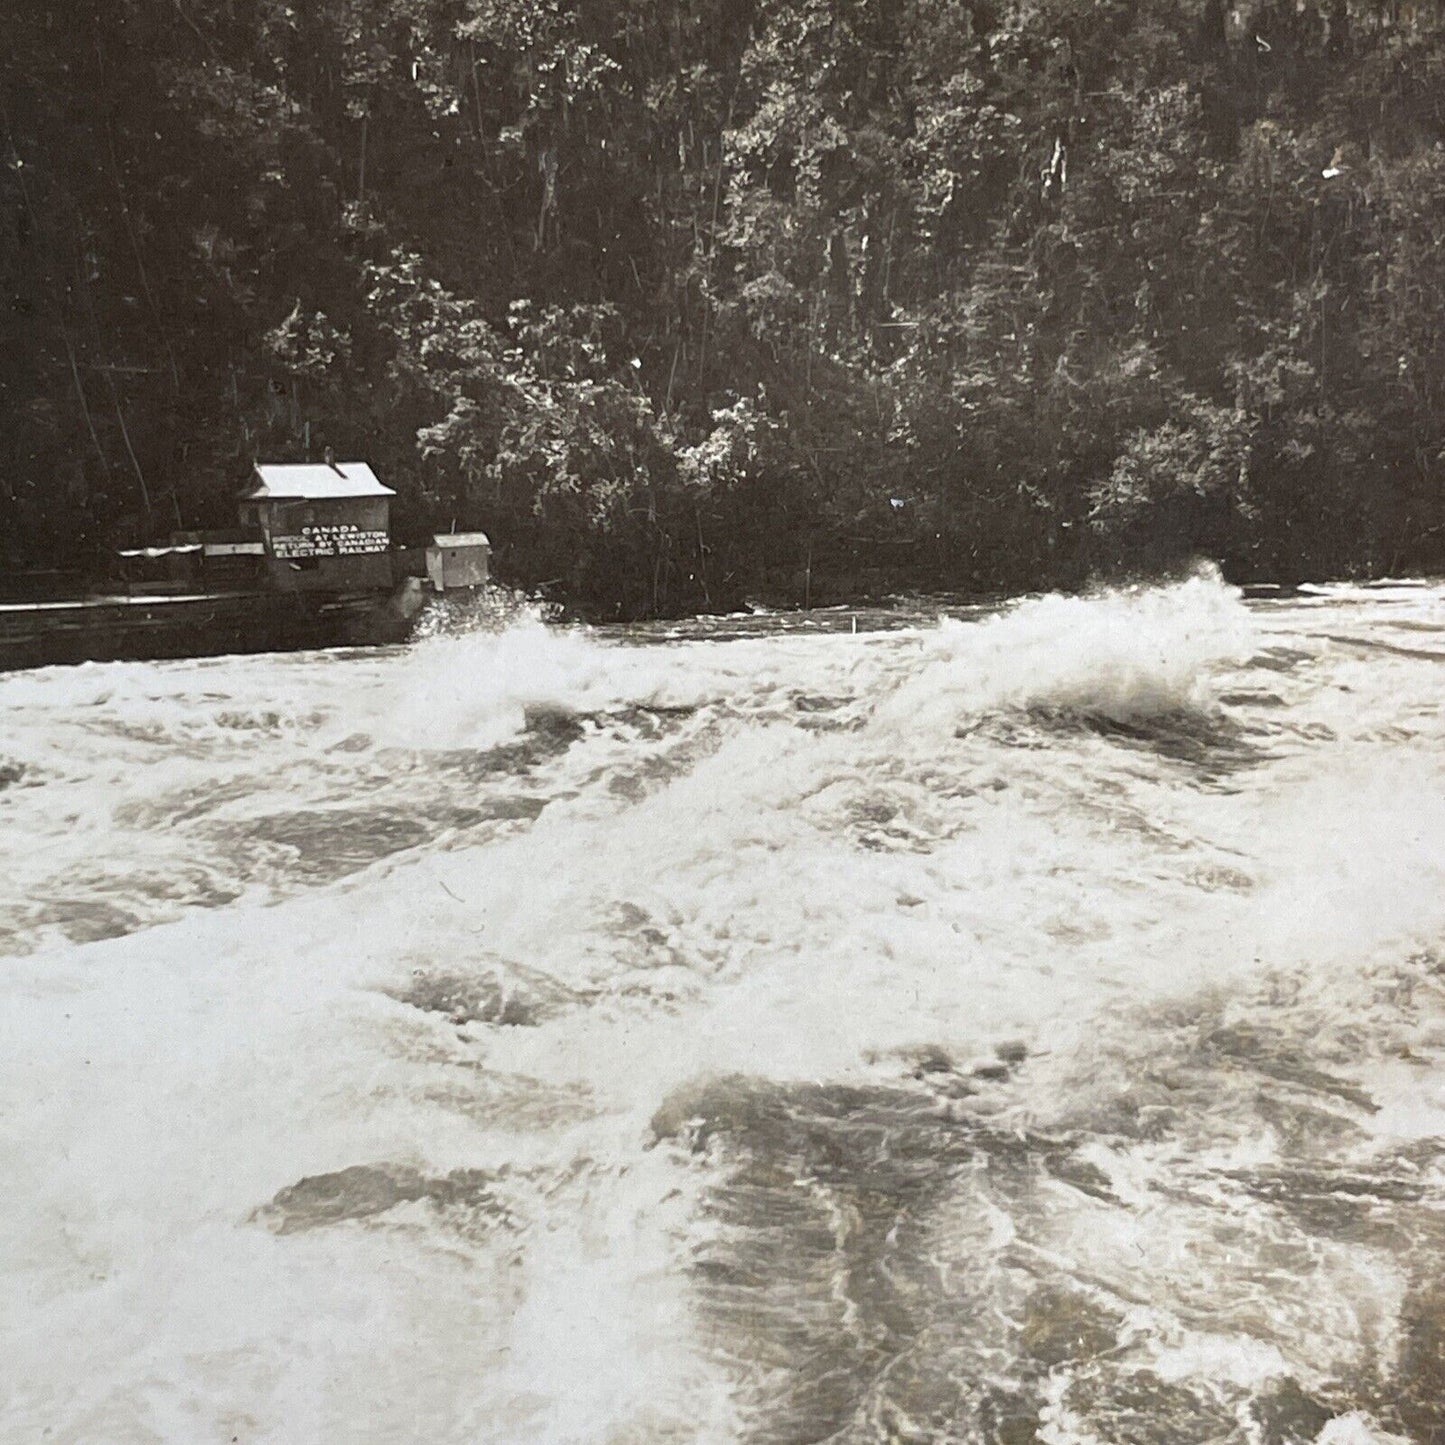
343 539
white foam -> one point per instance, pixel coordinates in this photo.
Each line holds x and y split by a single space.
790 893
1357 1428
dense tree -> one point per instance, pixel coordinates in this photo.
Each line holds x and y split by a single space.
684 301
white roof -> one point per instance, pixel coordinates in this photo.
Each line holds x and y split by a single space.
314 480
461 539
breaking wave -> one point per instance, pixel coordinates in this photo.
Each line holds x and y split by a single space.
1020 1027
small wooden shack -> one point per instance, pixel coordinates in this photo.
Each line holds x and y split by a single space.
326 525
458 559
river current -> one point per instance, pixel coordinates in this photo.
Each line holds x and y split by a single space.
1012 1026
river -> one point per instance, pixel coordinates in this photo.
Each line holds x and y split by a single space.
1010 1026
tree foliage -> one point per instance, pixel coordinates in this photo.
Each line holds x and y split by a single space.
682 301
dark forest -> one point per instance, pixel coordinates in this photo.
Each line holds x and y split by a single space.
692 302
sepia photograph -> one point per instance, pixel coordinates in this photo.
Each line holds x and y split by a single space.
722 722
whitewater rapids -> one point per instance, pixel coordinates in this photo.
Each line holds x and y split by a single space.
1018 1026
